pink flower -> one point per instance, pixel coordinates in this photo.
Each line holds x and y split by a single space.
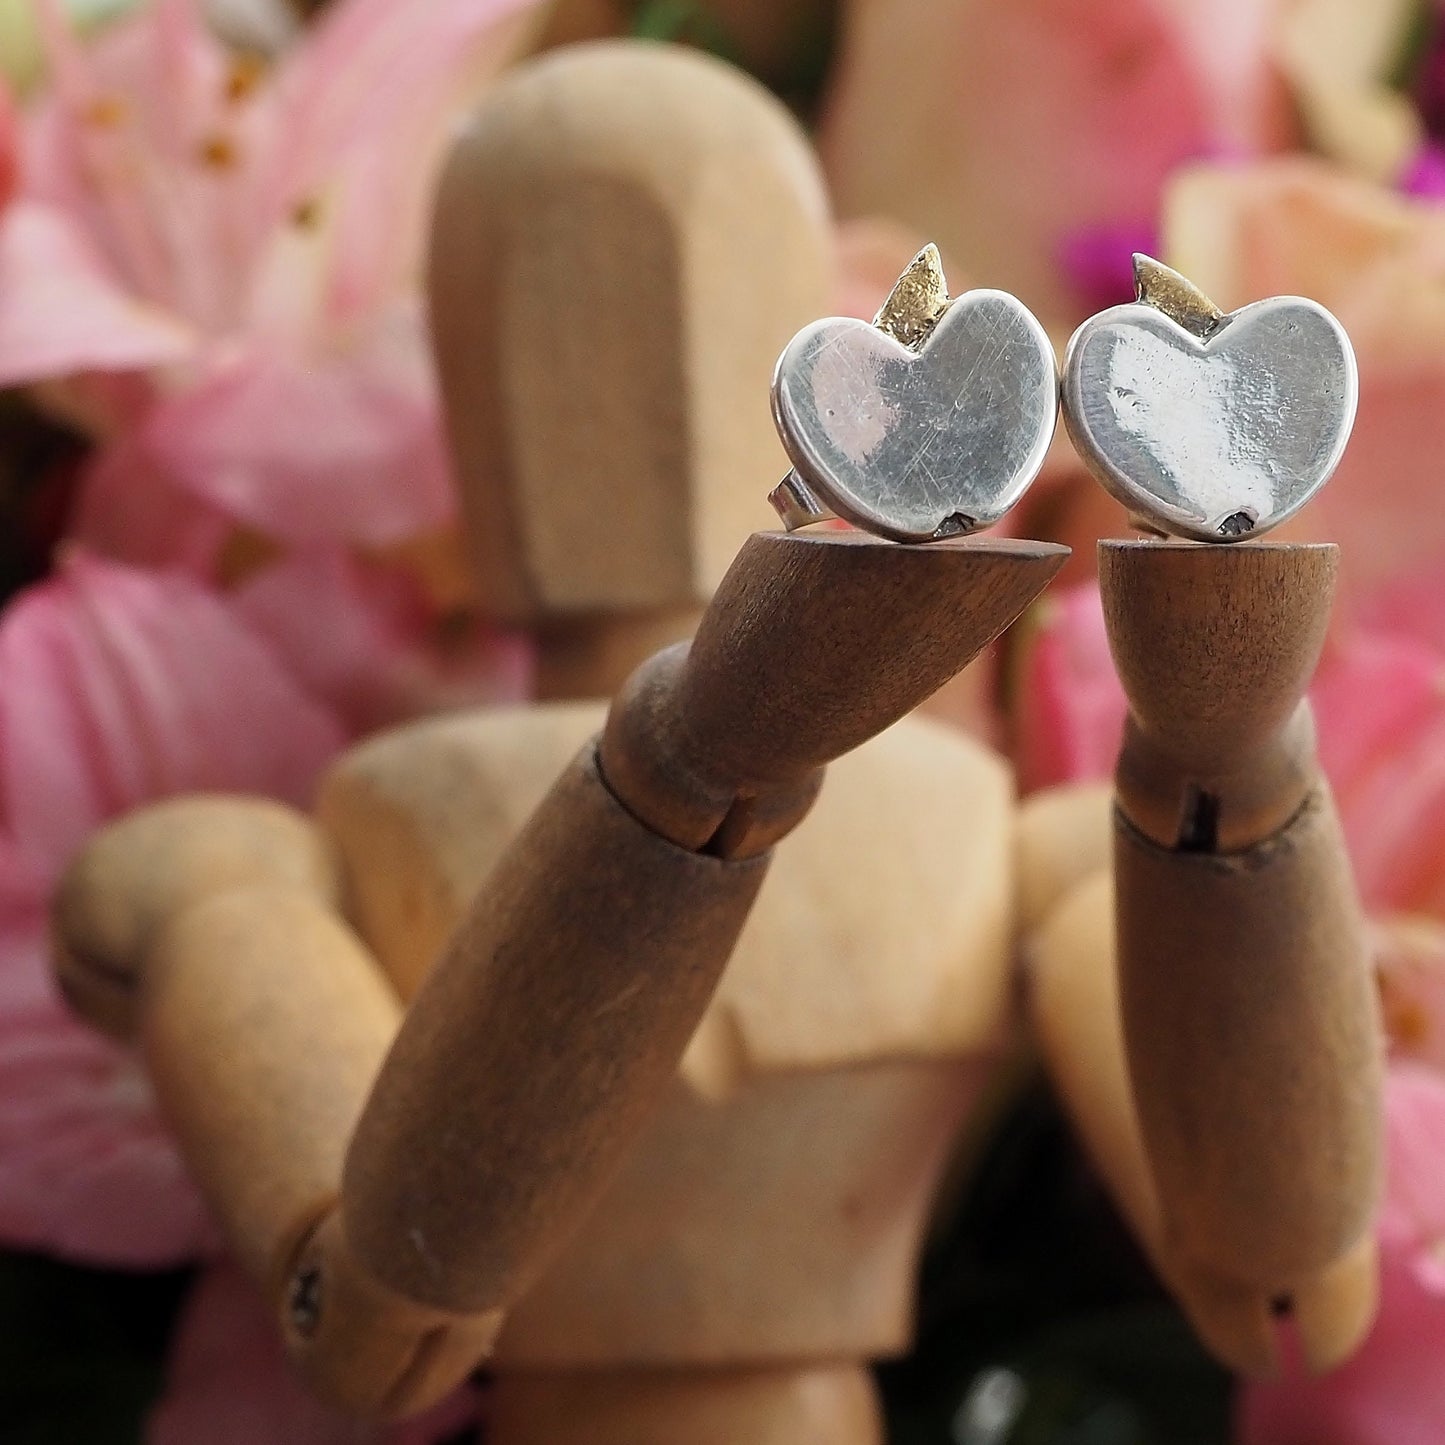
9 159
1379 704
1070 718
1006 130
1393 1391
351 631
1412 1221
116 687
230 1383
250 244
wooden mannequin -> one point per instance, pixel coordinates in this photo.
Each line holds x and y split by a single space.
1227 1078
829 1074
624 242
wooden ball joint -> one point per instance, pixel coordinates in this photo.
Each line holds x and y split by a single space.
402 1118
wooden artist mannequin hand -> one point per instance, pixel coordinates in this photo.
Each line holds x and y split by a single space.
1213 1029
624 241
1227 1070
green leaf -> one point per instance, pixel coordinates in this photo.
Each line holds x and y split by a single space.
684 21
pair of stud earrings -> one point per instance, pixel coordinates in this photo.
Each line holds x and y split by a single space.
934 421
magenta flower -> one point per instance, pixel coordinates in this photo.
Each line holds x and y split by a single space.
116 687
245 247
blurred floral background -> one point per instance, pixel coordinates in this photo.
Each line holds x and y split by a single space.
228 547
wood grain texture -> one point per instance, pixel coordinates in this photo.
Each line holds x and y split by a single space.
209 927
781 1221
774 1206
1215 647
263 1024
420 815
536 1046
368 1349
1072 989
1254 1047
909 960
813 643
1251 1024
575 1057
625 238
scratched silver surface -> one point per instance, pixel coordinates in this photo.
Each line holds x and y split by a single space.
1217 439
915 445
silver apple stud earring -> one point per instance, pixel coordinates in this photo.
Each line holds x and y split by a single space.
1208 425
929 423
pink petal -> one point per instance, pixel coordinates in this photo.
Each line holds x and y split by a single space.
1425 175
1371 690
1410 606
119 686
230 1383
1099 261
364 637
369 97
342 446
145 142
87 1171
130 511
60 310
1391 1393
116 687
1380 707
9 159
1070 708
1413 1216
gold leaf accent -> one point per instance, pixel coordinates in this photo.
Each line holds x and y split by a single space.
918 300
1181 300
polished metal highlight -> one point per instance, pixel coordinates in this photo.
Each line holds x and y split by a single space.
1207 425
930 423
